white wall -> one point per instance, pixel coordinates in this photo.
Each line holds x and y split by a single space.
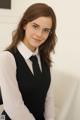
67 55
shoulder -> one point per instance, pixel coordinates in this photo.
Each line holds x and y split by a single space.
52 67
52 61
6 58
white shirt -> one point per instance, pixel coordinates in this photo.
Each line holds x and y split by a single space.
12 98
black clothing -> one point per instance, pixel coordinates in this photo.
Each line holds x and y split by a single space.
33 89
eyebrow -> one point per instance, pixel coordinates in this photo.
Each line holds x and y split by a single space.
39 25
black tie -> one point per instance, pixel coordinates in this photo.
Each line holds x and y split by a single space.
36 68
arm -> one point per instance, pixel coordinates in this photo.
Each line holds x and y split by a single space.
12 99
49 103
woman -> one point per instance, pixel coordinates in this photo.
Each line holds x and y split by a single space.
28 94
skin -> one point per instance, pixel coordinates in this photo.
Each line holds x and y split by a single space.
37 32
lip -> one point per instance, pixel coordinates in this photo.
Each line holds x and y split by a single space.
37 39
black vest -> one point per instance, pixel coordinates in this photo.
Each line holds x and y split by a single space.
33 90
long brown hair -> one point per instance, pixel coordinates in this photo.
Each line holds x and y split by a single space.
33 12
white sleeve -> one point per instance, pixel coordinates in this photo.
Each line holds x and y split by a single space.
49 103
12 99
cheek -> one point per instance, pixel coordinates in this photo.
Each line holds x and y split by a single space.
28 32
44 39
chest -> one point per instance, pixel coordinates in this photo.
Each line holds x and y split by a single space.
27 83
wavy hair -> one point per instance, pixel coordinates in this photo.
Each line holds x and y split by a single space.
33 12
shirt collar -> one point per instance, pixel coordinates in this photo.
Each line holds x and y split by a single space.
25 51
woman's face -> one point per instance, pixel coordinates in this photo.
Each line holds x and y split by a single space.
37 32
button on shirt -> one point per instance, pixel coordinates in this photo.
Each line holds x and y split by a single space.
12 98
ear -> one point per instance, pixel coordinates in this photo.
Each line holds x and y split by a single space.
24 27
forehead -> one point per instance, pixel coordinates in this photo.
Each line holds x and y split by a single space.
43 21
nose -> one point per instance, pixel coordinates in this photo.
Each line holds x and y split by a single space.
39 33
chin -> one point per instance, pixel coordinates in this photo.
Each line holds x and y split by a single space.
36 46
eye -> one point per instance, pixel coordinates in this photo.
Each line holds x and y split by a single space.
46 30
35 26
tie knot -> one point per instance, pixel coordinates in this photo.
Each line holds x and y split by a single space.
33 58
